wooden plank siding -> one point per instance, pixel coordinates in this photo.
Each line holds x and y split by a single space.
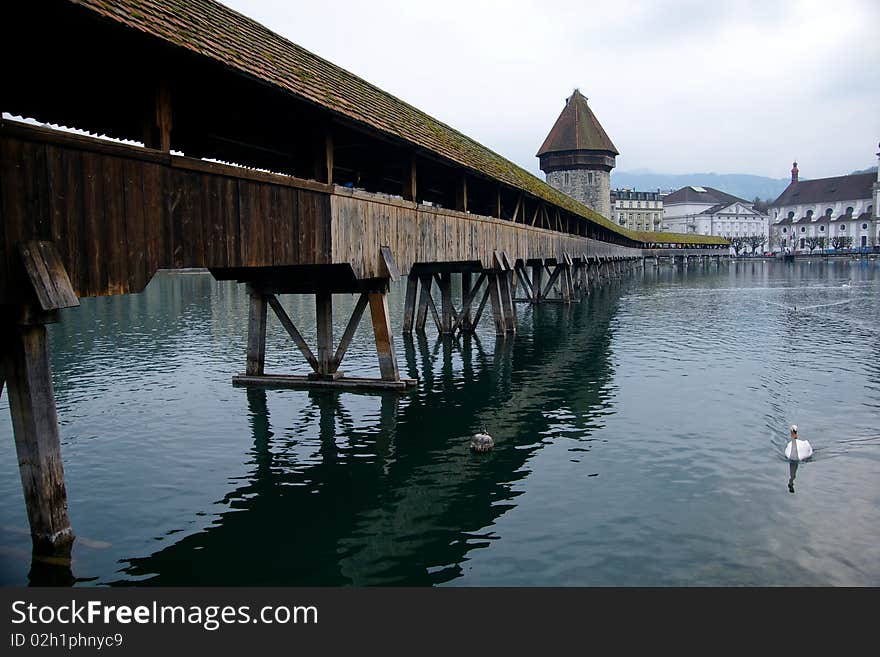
362 222
119 213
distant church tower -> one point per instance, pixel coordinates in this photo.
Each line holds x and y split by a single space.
578 156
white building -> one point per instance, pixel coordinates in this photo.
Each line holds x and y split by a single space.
708 211
843 206
637 210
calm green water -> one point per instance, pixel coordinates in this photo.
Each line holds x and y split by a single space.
639 439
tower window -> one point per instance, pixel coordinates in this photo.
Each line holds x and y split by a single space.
590 177
566 178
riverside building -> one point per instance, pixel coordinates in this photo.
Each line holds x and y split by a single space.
637 210
830 208
709 211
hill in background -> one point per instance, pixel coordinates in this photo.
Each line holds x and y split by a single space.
739 184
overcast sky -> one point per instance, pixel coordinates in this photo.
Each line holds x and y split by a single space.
680 85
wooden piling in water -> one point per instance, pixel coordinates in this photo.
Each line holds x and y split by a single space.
27 370
256 337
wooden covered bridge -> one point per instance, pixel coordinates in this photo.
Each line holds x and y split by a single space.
234 149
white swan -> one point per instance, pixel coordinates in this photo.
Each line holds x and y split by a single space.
847 284
797 449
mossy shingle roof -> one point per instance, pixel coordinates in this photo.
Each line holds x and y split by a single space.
214 31
577 128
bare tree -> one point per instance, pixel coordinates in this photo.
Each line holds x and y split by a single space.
736 243
841 242
814 242
756 242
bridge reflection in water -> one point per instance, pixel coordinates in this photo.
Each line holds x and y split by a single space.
398 498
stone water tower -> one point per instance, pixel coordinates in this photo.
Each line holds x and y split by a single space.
578 156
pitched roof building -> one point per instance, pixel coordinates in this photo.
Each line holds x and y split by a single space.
836 212
709 211
577 156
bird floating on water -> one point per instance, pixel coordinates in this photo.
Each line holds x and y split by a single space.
847 284
482 442
797 449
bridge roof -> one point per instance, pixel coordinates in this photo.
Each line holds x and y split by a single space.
212 30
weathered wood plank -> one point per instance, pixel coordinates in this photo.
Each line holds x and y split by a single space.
349 332
135 230
115 250
292 331
95 233
47 276
384 340
37 439
256 338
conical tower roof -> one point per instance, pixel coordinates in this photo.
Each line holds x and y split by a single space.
577 128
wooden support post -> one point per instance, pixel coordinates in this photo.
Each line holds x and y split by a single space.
552 281
410 182
256 339
486 295
466 306
349 332
461 195
464 319
424 298
497 307
447 313
157 124
505 288
567 284
409 306
292 331
525 283
324 320
537 281
27 369
384 339
328 157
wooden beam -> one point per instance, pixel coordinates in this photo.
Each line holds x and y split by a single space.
26 364
498 207
47 275
384 340
292 331
524 280
537 281
461 195
163 116
479 312
349 332
256 337
324 320
410 182
463 320
464 317
328 156
424 295
446 309
552 281
434 314
505 287
409 306
496 298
